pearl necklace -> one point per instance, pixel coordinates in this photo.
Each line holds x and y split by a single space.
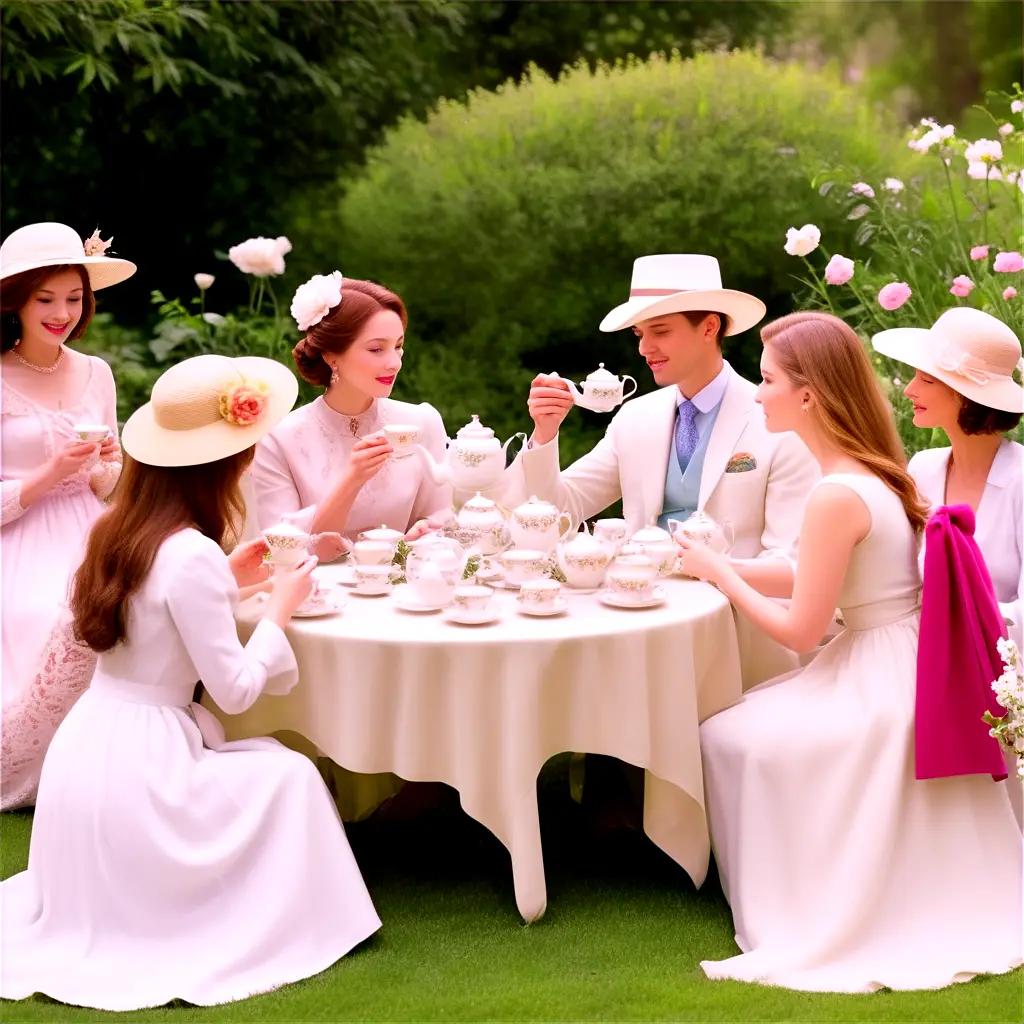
35 366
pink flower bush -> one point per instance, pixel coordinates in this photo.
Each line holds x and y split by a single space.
894 295
1009 293
1008 263
242 404
979 252
839 270
962 286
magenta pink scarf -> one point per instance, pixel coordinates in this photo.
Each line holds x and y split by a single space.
956 655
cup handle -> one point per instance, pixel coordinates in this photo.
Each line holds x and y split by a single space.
629 394
562 534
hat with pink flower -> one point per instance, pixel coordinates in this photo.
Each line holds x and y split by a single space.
207 408
49 244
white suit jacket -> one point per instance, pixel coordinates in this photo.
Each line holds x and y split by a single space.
999 522
764 503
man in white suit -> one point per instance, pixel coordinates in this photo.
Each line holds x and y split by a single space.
697 443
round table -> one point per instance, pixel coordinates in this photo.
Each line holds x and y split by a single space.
482 708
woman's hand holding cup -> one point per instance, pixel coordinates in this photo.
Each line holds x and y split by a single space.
290 587
369 454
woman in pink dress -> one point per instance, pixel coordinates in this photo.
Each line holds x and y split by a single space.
167 863
844 872
53 482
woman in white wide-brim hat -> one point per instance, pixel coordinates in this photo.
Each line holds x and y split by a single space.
167 863
964 385
53 480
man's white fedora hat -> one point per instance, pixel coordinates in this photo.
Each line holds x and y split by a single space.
681 283
207 408
971 351
49 244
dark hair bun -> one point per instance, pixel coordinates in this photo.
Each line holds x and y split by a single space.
311 364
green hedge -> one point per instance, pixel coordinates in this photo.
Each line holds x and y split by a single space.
509 223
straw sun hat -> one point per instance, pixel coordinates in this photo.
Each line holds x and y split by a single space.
971 351
49 244
207 408
681 283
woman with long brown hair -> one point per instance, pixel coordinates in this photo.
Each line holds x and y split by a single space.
167 863
844 872
54 479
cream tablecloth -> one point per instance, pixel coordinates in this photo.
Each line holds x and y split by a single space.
482 708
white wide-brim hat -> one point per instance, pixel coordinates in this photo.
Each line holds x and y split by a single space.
50 244
971 351
682 283
207 408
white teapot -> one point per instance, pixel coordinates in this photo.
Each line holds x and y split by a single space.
602 391
538 525
474 459
434 568
699 526
481 519
583 560
657 544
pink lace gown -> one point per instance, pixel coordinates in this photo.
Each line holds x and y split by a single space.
44 670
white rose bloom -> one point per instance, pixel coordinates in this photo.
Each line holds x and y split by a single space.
261 257
203 281
315 299
803 241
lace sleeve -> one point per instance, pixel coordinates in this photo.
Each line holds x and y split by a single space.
10 493
103 478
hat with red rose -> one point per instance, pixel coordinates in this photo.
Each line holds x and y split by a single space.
207 408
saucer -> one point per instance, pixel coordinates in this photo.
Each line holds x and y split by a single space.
408 603
372 593
556 607
330 605
483 618
346 575
656 597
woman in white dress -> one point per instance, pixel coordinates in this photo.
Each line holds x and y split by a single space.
165 862
53 482
327 466
964 386
844 873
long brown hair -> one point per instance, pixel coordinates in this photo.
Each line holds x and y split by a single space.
821 353
340 328
19 288
149 504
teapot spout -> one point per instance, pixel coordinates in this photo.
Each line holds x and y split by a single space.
439 472
577 395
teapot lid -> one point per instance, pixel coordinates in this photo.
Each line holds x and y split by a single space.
602 376
584 543
474 430
650 535
536 504
383 532
478 503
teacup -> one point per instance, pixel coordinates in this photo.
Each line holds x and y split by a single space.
91 431
540 593
472 599
402 437
521 565
631 583
373 552
611 532
315 597
373 579
287 543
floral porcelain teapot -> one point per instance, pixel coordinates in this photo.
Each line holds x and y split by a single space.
602 391
538 525
434 568
483 520
583 560
657 544
474 459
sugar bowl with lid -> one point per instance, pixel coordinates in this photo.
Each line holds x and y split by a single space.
483 520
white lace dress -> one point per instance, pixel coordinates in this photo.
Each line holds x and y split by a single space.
44 670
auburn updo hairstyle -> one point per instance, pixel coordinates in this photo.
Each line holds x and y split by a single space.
360 300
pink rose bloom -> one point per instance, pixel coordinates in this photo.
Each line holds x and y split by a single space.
894 295
979 252
1008 263
962 286
1010 293
839 270
243 404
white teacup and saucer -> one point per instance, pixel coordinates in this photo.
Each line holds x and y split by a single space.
473 605
541 597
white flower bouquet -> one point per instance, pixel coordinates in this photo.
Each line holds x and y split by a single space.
1009 690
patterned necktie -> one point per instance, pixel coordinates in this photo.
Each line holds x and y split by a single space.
686 434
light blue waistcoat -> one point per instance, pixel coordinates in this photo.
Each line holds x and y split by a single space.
682 490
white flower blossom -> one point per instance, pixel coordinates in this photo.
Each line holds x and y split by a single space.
986 151
261 257
315 299
802 241
893 185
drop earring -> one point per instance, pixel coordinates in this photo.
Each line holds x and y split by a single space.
334 375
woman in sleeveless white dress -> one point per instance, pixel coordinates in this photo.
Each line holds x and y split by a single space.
844 873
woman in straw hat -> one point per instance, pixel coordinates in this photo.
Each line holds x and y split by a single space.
844 871
964 385
54 479
167 863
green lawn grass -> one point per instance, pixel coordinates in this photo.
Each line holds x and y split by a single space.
622 940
